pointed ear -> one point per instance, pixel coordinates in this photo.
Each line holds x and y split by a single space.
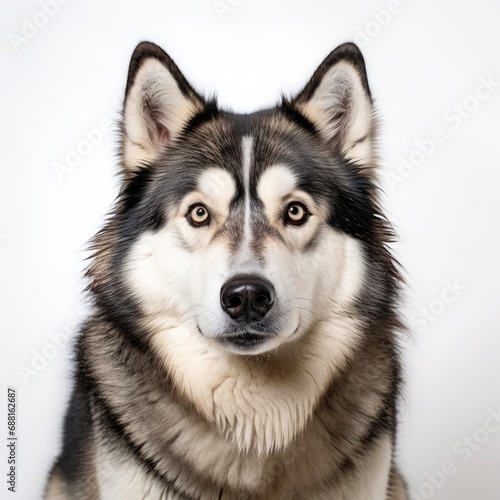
159 102
338 103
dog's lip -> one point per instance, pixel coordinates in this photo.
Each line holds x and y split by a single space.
246 338
249 335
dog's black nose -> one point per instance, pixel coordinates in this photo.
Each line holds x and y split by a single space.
247 298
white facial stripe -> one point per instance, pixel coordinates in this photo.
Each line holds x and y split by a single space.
246 146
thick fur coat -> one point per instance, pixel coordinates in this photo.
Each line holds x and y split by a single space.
283 386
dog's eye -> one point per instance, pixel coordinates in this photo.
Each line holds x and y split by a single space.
296 213
198 214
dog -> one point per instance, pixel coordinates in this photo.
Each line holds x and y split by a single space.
243 342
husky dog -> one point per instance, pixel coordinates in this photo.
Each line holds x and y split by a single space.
243 342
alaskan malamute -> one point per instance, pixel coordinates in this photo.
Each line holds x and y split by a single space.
243 340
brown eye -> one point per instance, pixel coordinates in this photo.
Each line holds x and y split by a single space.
296 213
198 214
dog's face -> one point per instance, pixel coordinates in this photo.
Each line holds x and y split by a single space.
247 229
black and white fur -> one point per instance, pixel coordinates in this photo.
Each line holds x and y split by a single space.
176 399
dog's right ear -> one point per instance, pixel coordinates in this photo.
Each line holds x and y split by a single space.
159 102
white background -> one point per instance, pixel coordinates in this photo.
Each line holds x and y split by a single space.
422 61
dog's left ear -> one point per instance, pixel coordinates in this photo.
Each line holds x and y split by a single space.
159 102
338 103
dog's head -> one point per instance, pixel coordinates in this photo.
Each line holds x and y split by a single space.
247 230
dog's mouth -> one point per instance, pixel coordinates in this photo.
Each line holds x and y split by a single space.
246 339
249 341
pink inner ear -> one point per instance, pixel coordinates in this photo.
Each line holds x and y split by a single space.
163 134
